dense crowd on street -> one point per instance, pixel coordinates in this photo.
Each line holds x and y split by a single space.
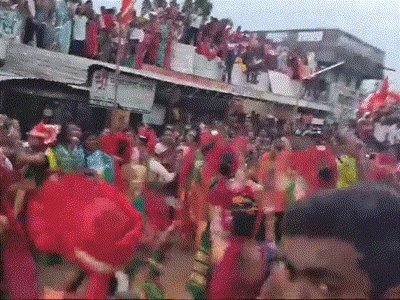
273 211
267 209
74 27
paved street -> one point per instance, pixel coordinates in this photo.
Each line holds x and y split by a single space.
176 271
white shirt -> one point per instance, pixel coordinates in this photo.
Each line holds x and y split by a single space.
137 34
380 132
392 134
196 21
79 32
163 174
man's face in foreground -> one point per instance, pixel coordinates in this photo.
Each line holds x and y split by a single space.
318 268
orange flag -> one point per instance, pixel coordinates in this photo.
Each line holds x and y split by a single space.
127 11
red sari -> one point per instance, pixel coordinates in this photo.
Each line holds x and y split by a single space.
20 272
92 45
227 281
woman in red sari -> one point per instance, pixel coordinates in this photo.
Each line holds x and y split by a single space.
19 267
241 272
92 34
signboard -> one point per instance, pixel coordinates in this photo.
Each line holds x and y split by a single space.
277 37
157 115
310 36
134 94
10 23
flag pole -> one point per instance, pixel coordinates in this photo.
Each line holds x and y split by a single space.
296 108
118 65
124 11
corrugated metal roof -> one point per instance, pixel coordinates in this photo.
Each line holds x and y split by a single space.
6 76
34 63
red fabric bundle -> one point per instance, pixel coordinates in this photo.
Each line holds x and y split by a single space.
221 195
119 144
227 281
187 166
380 98
151 137
92 45
157 210
87 221
309 162
382 167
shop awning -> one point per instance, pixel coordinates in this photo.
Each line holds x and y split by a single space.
31 62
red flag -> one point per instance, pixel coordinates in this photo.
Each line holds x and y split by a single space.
127 11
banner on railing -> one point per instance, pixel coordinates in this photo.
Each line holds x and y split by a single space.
282 84
134 93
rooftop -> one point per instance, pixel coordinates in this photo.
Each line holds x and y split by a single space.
31 62
327 29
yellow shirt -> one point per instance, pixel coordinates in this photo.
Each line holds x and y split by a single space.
347 167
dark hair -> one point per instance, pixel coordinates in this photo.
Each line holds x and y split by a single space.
243 219
365 215
325 174
227 162
88 134
207 148
63 136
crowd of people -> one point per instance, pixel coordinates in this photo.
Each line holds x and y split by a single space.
71 26
273 211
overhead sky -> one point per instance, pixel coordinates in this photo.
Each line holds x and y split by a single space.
376 22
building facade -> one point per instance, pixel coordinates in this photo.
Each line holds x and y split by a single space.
340 87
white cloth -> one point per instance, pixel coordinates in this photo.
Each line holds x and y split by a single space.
122 282
135 155
137 34
380 132
392 134
163 174
160 148
7 164
79 32
196 21
101 22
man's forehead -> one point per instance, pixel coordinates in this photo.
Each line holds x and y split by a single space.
330 253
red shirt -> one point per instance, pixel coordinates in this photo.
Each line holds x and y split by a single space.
108 21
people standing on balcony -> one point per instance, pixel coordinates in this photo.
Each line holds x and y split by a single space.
31 25
165 50
294 64
79 32
136 37
206 48
92 32
63 25
89 11
253 59
172 11
270 55
148 49
282 60
119 42
43 22
146 8
196 20
230 55
107 24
